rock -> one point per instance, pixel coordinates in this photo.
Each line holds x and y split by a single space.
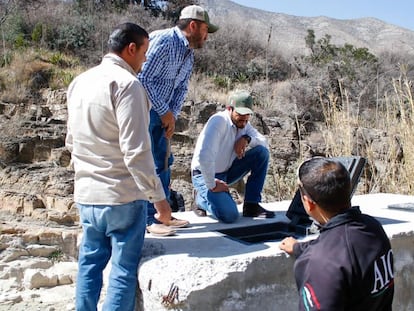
50 236
10 299
11 202
34 278
62 218
11 254
14 270
65 271
60 156
32 263
9 150
41 250
69 307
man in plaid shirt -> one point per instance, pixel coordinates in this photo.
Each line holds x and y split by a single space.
165 77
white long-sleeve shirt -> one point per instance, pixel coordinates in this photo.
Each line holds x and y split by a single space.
214 151
107 134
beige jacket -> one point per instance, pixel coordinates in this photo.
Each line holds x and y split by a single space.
107 134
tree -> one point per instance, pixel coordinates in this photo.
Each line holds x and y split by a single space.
337 68
310 40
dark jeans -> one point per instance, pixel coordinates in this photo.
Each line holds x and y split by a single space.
159 152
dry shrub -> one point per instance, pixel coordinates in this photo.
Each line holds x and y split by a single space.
398 126
34 70
202 87
281 184
388 144
340 122
24 77
240 56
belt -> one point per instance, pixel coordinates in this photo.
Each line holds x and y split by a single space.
196 172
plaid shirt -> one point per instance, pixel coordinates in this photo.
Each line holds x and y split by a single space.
168 68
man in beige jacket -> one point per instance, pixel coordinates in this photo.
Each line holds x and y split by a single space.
107 134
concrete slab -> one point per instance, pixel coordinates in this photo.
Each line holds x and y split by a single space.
202 269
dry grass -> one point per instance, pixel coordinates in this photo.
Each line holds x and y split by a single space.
202 88
340 124
29 72
387 141
388 144
399 129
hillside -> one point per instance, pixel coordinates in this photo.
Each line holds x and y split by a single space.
288 32
346 102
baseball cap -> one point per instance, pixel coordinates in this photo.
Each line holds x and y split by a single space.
198 13
242 102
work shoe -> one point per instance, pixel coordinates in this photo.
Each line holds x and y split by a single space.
178 223
160 230
198 210
256 210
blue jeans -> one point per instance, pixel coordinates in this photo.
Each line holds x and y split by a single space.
115 231
220 204
159 152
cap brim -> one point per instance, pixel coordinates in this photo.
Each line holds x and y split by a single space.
212 28
243 110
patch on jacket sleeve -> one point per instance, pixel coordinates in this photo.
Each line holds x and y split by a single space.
310 301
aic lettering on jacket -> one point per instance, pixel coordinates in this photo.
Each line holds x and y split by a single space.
383 272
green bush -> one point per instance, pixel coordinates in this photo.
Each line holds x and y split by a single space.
58 59
75 36
20 41
14 31
37 33
222 81
61 79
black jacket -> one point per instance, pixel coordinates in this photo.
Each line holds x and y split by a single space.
348 267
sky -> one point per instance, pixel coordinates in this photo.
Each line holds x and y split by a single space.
396 12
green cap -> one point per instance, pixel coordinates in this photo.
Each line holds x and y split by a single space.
198 13
242 102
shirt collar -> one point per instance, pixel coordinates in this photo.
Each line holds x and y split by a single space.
181 36
112 58
228 118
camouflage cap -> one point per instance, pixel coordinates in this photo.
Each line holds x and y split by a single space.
242 102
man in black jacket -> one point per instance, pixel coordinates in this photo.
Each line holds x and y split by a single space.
350 265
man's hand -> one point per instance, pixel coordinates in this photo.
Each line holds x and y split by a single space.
221 186
168 122
240 147
287 245
163 211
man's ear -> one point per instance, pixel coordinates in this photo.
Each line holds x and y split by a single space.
193 25
128 52
130 49
308 203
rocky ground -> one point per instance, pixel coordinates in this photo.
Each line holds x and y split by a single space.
36 178
39 230
37 264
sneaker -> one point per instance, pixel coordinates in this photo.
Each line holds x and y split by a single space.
178 223
160 230
256 210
